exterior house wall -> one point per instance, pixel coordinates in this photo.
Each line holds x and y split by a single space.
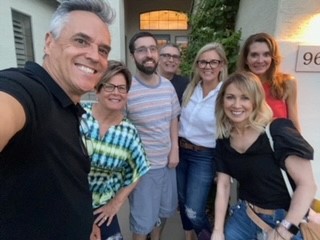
133 8
290 23
117 31
40 12
257 16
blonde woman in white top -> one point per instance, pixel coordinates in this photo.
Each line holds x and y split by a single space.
196 170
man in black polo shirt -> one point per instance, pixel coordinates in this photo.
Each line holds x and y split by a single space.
44 192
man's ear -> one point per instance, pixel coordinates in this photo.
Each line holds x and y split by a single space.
48 42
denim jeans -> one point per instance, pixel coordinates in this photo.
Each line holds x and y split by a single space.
195 175
240 227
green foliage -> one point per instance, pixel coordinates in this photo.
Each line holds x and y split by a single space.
213 21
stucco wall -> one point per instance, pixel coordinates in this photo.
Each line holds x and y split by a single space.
289 21
257 16
41 12
118 51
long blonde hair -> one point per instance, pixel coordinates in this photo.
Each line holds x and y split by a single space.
249 84
195 76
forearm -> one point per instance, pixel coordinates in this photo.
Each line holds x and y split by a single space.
301 172
221 205
12 119
300 203
123 194
174 132
174 151
109 210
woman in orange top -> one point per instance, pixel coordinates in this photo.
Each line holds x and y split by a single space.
260 55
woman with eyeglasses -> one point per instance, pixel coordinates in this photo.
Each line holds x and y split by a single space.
118 158
196 169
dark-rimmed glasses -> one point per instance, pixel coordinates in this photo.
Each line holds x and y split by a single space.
109 87
168 56
144 50
213 63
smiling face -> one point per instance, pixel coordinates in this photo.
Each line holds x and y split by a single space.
207 72
146 55
259 59
78 58
113 100
237 105
169 61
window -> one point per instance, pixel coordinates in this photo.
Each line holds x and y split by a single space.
182 41
162 39
163 20
22 37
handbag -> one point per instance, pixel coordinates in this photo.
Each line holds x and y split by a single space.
309 230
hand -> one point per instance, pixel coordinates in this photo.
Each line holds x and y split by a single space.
106 213
95 233
173 157
314 216
173 163
217 235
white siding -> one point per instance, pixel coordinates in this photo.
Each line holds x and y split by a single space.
287 21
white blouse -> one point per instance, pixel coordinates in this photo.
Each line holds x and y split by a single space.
197 119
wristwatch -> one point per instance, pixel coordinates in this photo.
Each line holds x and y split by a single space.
290 227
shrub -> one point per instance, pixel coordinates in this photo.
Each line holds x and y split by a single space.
212 21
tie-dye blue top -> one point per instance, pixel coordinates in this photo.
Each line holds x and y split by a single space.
118 158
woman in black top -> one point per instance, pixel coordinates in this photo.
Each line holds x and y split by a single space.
244 153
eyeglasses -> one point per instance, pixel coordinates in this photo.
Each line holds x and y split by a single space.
213 63
144 50
168 56
109 87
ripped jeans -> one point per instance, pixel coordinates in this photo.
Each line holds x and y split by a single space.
195 175
240 227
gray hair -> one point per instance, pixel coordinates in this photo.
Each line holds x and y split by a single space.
170 45
61 15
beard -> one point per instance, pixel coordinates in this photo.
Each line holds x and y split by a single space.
144 69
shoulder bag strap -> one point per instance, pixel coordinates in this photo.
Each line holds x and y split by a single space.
284 174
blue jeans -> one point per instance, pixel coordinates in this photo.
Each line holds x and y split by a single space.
240 227
195 175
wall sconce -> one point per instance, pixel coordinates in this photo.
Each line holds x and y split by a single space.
308 58
310 33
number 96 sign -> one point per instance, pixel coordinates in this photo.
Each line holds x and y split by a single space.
308 59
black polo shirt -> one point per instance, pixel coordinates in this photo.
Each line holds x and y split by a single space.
180 84
44 191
